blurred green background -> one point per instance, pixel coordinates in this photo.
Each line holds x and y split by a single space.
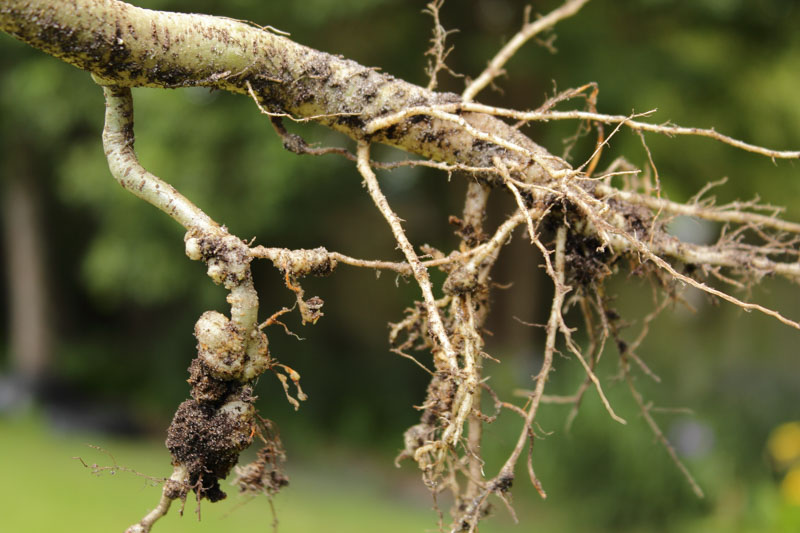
107 363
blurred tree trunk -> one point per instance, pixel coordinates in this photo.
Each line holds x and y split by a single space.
30 331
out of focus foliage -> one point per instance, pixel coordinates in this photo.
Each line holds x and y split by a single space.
125 297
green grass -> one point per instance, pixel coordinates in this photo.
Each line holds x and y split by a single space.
45 489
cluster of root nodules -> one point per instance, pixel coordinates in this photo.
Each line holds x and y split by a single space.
210 430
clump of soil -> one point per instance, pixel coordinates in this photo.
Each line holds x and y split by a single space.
207 439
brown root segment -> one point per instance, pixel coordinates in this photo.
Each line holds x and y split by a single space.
589 225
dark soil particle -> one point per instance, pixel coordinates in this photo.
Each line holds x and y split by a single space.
206 388
351 121
207 442
586 263
416 119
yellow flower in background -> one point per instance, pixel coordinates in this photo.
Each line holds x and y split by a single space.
783 448
783 445
790 486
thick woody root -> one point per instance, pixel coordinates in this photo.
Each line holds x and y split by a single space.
586 225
